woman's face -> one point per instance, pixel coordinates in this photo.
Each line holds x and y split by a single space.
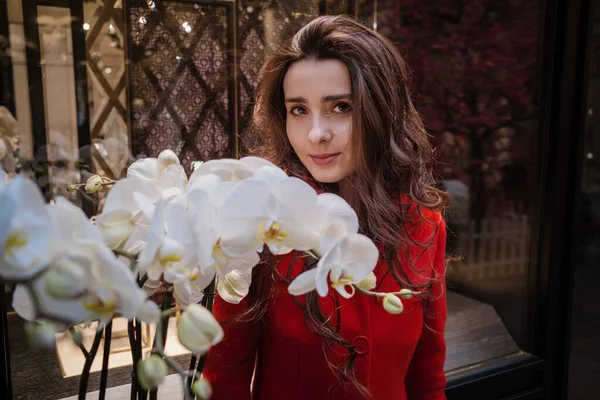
319 117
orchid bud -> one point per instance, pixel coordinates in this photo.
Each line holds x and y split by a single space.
93 184
65 280
40 335
392 304
202 389
198 330
151 372
71 188
165 159
406 294
369 282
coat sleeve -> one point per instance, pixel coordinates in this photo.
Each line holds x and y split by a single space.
230 364
426 379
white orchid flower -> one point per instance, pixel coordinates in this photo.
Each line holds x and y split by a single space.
171 253
25 229
188 283
165 171
70 226
172 183
340 221
211 251
230 169
207 183
349 262
151 168
213 256
121 213
282 213
111 290
103 285
171 240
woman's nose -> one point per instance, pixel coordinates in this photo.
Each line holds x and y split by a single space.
319 131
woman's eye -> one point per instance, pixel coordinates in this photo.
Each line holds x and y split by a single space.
342 108
297 110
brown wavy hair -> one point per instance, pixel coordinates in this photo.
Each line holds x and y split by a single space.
393 156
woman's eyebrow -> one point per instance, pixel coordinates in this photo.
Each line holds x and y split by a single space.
328 98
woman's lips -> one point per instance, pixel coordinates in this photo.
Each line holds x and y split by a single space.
324 159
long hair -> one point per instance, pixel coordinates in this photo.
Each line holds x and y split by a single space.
393 155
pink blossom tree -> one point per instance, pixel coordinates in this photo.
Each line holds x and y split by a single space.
473 68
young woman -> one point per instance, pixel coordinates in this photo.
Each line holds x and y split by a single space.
334 108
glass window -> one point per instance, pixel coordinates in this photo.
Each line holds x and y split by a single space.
584 357
182 75
474 77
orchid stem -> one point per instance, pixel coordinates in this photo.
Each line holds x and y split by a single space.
143 395
184 376
383 294
76 336
135 358
160 337
104 373
85 374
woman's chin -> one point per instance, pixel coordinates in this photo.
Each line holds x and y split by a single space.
321 177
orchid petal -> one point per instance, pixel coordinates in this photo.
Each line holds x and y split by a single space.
145 168
304 283
270 173
324 266
359 256
254 163
178 224
241 214
121 196
234 286
145 204
155 238
207 183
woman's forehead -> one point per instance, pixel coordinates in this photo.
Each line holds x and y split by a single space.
316 79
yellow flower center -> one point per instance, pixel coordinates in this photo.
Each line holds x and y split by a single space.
272 233
194 275
167 259
14 241
100 307
344 281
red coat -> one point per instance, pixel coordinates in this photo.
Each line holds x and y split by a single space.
398 357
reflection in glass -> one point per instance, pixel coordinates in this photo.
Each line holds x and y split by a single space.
474 78
56 59
105 42
584 356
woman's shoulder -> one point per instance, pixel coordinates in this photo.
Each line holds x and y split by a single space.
422 223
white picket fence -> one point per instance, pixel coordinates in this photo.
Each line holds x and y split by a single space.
499 250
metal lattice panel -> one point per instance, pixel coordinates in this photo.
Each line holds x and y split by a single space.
105 48
180 79
261 28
